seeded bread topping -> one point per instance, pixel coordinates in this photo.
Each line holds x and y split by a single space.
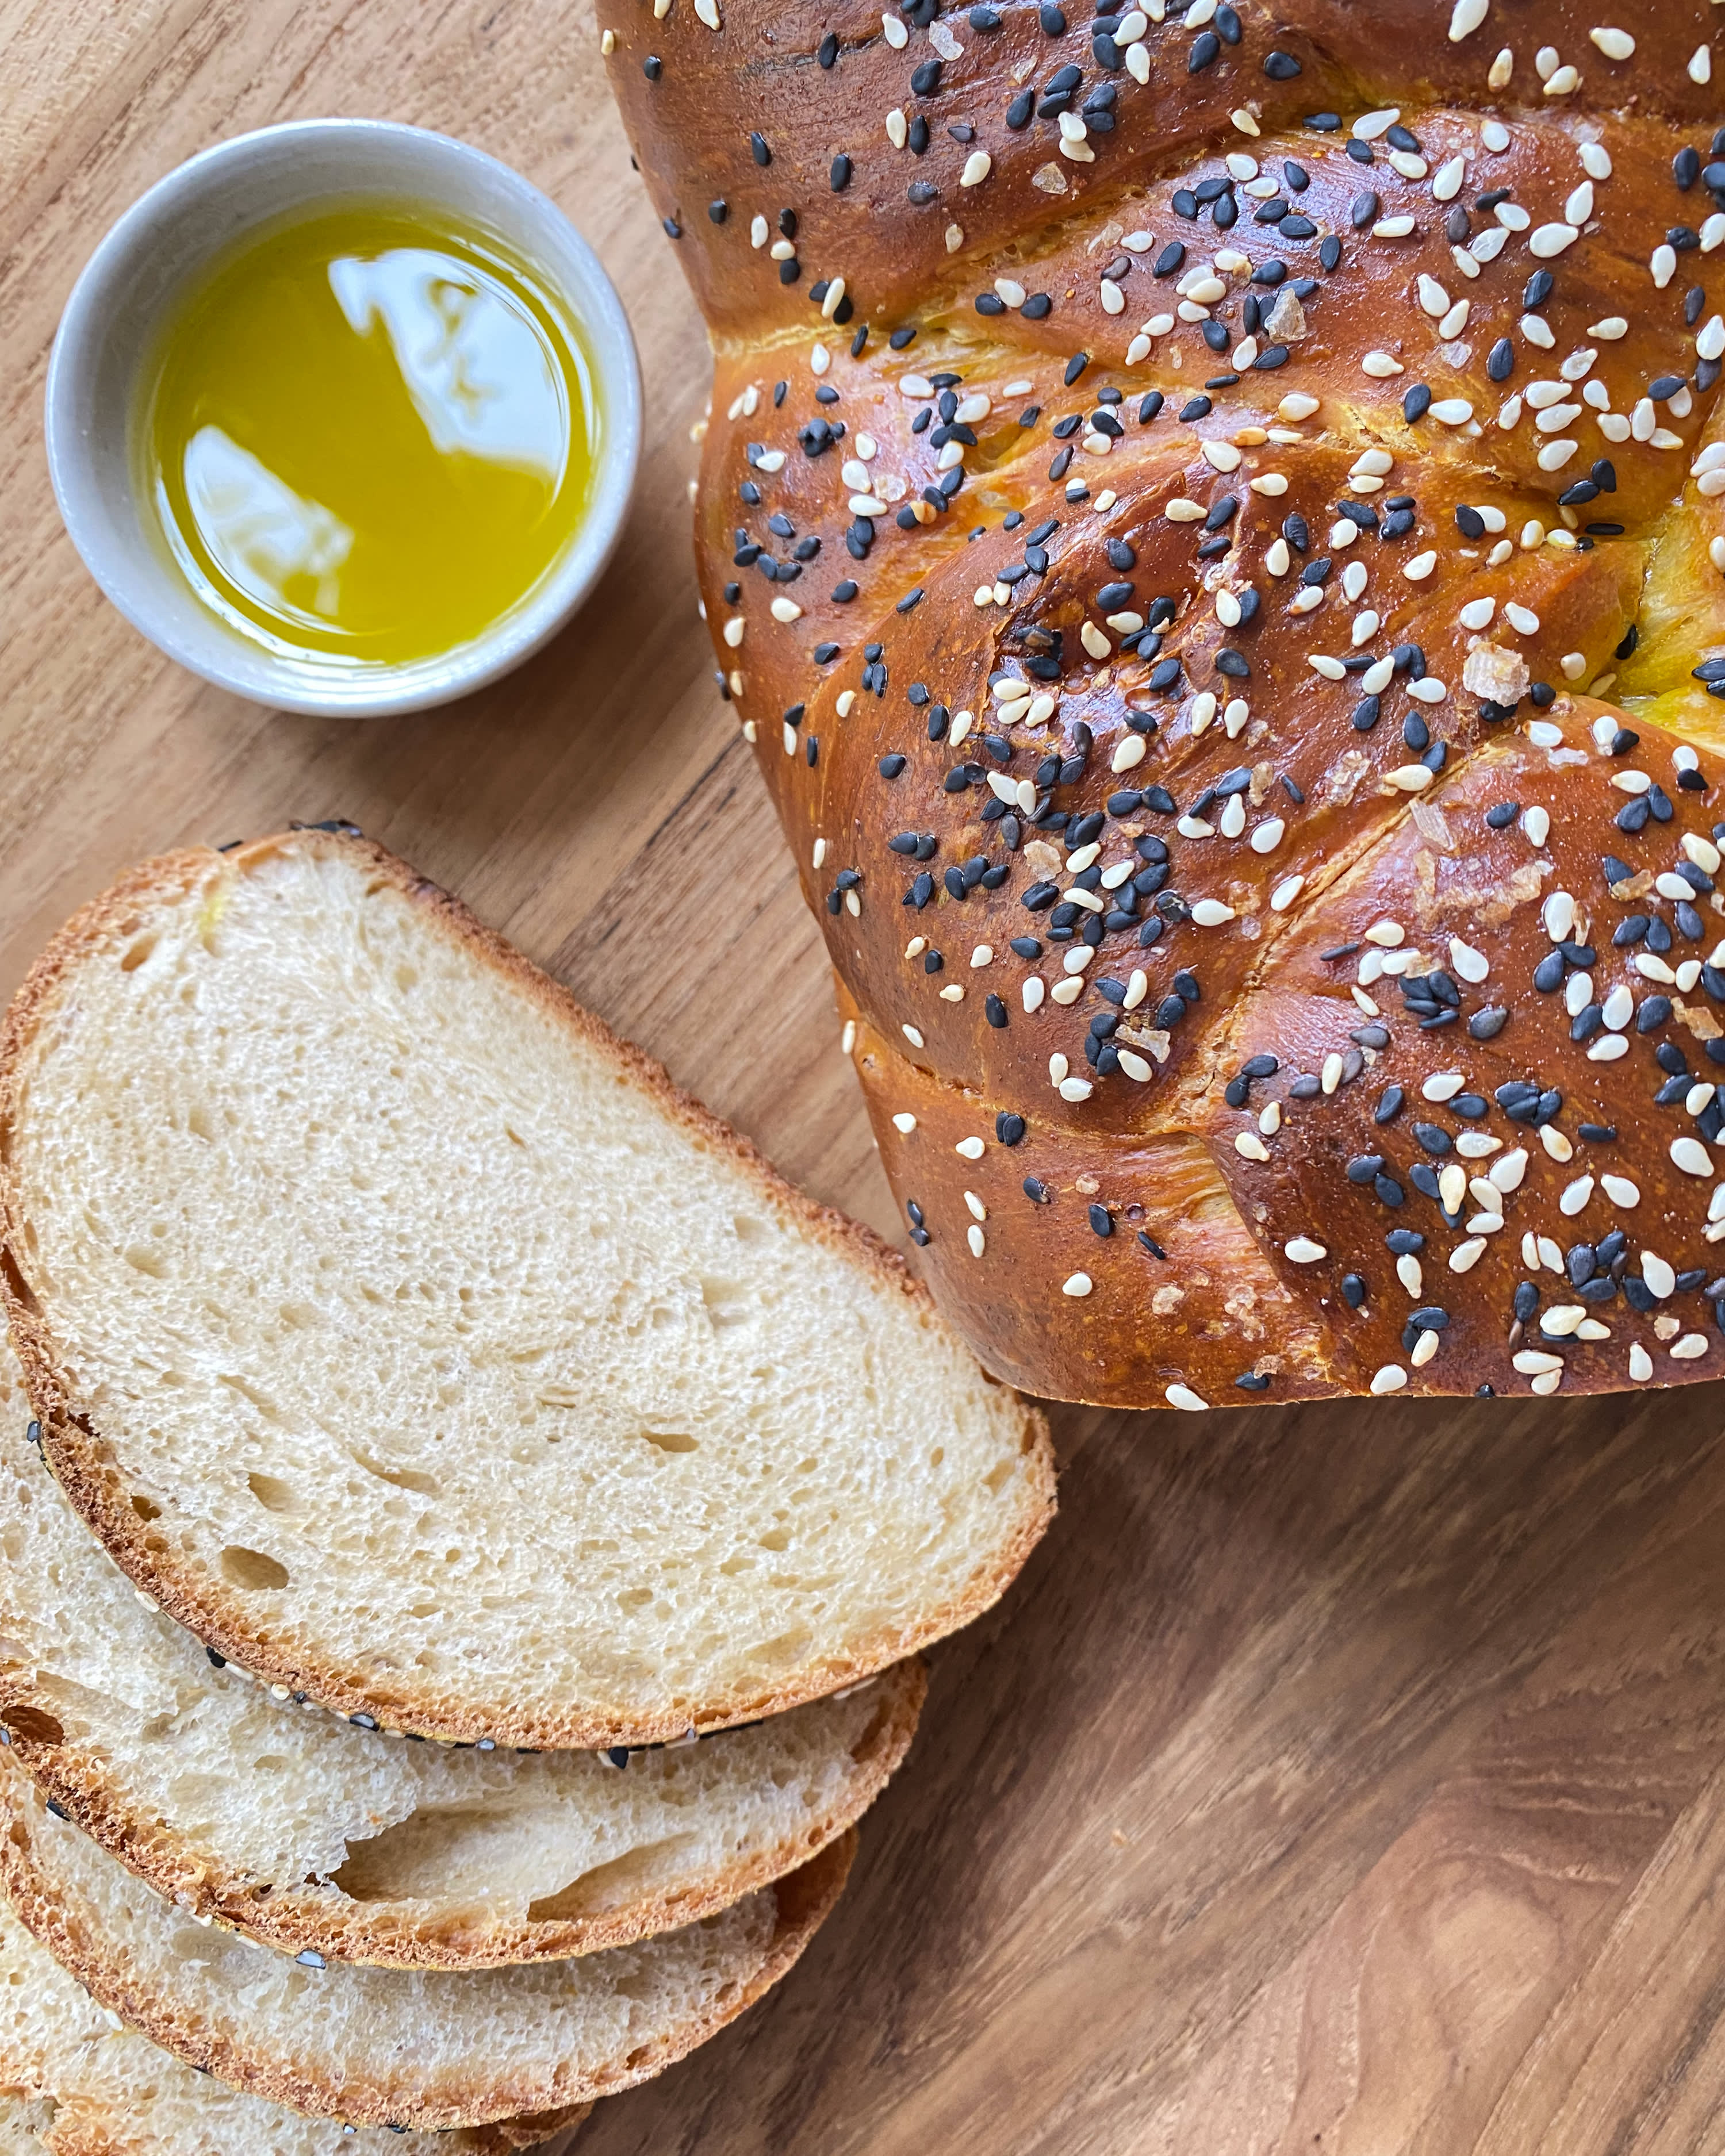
1213 525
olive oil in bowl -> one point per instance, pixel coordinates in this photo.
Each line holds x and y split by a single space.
368 434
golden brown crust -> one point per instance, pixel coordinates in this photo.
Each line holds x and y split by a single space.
353 2090
82 2126
294 1919
82 1461
1238 467
759 73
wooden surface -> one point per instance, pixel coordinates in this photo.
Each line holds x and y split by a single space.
1343 1779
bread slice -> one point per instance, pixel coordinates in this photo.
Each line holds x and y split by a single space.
302 1831
77 2085
430 2049
409 1336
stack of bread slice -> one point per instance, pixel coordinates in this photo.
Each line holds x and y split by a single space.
466 1530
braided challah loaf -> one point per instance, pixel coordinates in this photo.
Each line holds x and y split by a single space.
1181 487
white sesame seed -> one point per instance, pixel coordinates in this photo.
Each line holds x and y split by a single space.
1182 1396
1392 1377
1621 1191
1614 44
1303 1252
977 166
1076 1284
1691 1156
1548 241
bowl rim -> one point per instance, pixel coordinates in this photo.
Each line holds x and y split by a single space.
589 298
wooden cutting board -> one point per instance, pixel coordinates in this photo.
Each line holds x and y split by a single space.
1336 1780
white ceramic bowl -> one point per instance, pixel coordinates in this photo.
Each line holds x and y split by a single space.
165 237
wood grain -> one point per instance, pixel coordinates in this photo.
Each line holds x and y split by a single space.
1342 1778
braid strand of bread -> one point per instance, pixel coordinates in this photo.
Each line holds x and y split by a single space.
1213 519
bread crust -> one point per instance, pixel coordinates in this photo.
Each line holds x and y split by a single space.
82 1460
354 2091
382 1934
92 2130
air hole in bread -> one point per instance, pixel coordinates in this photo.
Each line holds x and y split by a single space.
34 1726
749 1230
785 1648
776 1538
146 1508
143 1260
135 954
17 1285
404 1478
251 1568
727 1302
273 1494
671 1440
609 1886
